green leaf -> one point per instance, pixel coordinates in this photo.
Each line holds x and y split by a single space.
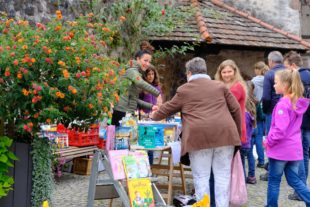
3 158
12 156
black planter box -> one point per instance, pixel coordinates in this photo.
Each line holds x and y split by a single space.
22 174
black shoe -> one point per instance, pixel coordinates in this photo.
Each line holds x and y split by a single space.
264 177
294 197
260 165
266 166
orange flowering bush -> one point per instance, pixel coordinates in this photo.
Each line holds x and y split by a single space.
57 72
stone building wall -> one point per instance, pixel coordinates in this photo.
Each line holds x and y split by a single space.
284 14
42 10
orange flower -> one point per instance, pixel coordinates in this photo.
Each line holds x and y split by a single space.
113 62
25 92
71 34
24 47
109 114
58 15
99 94
105 109
90 25
19 75
77 60
36 115
30 124
33 60
122 18
90 106
122 71
116 97
74 91
96 69
66 38
57 28
61 63
58 93
70 88
48 120
105 29
65 73
103 43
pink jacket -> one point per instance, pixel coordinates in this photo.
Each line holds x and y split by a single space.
284 138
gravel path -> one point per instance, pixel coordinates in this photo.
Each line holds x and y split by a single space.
71 191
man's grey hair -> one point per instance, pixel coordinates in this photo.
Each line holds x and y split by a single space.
275 56
196 65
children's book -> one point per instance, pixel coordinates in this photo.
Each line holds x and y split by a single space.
131 167
110 133
146 136
116 161
123 135
143 163
140 192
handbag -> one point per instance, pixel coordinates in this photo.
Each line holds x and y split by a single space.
238 191
184 158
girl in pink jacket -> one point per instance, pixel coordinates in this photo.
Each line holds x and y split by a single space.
283 143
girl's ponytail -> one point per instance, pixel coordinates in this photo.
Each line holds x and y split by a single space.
297 87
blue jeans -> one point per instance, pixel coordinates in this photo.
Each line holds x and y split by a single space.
257 139
248 153
304 166
290 168
268 123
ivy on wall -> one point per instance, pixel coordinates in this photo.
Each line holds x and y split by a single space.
42 175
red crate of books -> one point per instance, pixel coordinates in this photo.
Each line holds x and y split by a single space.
101 144
82 139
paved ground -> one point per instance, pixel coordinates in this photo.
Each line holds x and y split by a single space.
71 191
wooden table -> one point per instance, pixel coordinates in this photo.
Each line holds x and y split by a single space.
73 152
166 169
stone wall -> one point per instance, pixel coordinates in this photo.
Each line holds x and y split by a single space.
284 14
42 10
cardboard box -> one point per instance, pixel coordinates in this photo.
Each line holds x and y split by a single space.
82 166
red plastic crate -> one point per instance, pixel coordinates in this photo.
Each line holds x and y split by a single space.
101 144
82 139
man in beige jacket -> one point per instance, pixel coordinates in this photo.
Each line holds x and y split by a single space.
211 128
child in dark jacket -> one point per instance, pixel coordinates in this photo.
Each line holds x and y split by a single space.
247 147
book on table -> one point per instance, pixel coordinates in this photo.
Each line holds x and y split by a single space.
140 192
137 165
116 162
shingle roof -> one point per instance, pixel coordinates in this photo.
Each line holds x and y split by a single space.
215 22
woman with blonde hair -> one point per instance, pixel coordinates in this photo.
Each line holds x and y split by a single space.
229 73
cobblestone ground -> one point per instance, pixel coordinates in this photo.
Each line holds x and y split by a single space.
71 191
